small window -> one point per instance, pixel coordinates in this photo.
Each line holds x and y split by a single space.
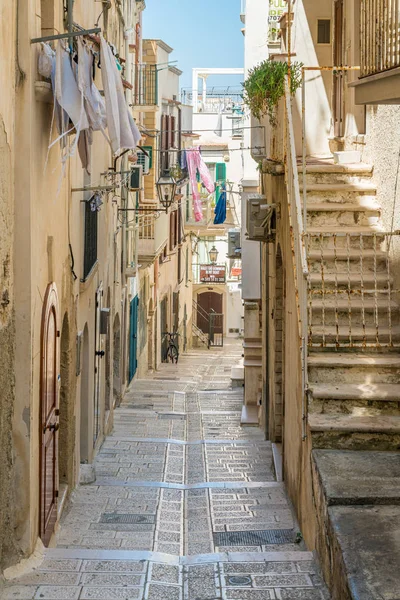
324 31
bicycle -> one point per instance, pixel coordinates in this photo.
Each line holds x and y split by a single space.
172 353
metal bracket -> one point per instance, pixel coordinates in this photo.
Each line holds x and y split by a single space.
64 36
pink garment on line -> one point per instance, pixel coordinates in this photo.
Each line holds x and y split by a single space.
196 163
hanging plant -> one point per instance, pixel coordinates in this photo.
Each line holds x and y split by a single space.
265 85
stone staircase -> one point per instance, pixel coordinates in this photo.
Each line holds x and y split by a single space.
200 336
354 377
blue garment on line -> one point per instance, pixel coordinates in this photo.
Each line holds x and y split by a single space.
183 161
220 209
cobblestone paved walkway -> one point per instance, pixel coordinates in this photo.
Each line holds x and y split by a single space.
185 504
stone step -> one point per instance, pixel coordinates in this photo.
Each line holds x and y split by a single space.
359 478
369 304
363 205
329 168
363 399
384 392
342 218
354 277
357 334
356 237
337 359
333 187
334 367
351 432
343 254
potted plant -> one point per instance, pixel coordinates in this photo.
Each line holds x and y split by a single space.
265 85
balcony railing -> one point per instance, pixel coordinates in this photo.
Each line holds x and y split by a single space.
146 85
380 36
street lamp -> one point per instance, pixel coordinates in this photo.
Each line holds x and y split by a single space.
213 254
166 187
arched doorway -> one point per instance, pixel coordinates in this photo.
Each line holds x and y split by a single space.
150 336
117 361
107 402
85 439
276 414
49 414
65 451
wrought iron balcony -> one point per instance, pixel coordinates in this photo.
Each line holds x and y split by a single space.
145 91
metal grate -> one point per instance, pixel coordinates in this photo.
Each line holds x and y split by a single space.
174 416
128 519
254 538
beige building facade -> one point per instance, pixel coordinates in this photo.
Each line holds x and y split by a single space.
81 303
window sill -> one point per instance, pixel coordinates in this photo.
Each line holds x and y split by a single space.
85 283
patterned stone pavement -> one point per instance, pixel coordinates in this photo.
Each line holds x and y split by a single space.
185 505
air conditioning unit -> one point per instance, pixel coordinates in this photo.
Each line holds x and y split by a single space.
144 161
136 177
234 244
261 219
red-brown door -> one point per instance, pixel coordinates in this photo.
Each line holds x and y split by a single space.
49 412
338 77
208 302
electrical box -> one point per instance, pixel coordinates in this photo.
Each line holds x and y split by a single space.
234 244
136 177
261 219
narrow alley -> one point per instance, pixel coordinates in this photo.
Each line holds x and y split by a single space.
185 504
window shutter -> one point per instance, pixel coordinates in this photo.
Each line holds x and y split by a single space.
164 142
220 172
172 131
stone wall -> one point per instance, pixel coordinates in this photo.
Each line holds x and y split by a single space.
7 347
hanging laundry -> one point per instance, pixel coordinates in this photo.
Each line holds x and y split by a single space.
218 129
96 202
120 125
196 164
94 103
220 209
183 160
67 92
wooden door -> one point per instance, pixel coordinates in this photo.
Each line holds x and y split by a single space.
164 327
338 77
98 363
133 331
49 415
209 302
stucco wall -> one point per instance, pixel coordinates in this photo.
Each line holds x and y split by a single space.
8 82
296 451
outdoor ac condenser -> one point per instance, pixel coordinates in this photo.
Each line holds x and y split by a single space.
136 177
234 244
261 219
144 161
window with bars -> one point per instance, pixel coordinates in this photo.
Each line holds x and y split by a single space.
90 241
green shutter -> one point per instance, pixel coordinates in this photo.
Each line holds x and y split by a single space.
220 172
149 150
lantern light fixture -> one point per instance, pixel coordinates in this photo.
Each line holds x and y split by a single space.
166 188
213 254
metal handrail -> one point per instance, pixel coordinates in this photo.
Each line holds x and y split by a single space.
298 246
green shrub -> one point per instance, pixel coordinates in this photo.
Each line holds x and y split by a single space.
265 85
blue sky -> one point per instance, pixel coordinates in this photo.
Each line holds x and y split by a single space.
203 33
